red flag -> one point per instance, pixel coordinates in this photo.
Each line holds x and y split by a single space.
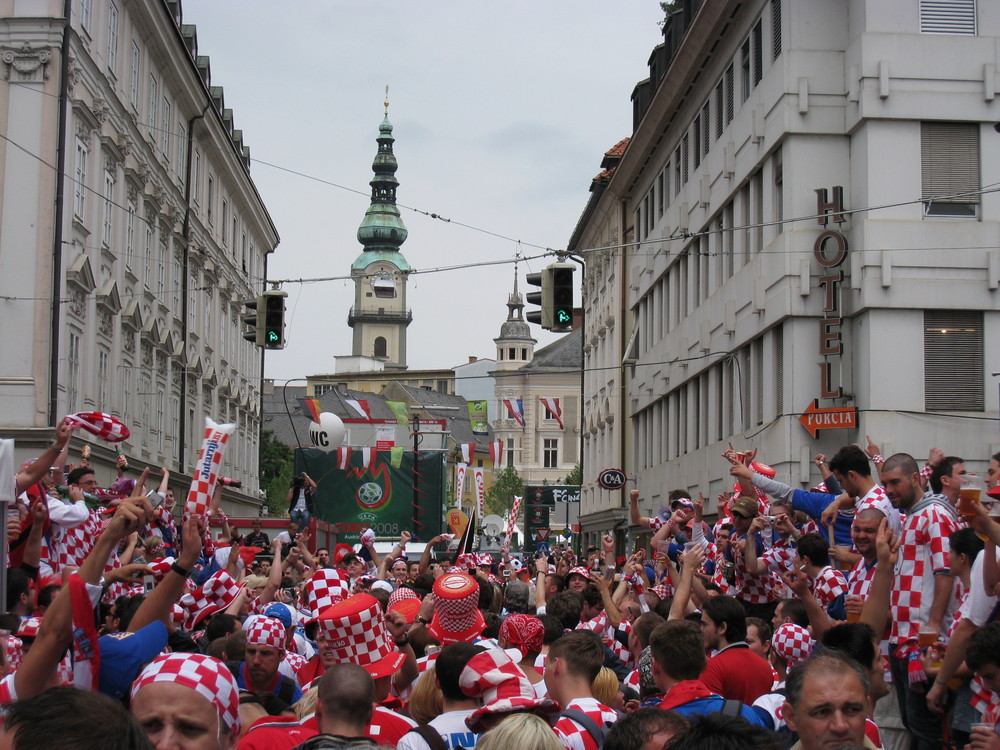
310 407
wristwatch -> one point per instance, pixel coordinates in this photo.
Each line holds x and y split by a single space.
421 619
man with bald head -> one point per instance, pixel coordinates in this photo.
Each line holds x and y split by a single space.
344 707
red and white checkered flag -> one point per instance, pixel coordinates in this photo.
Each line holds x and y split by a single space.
100 424
514 510
206 473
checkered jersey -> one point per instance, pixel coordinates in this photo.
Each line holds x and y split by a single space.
859 579
753 588
876 498
7 690
602 626
923 549
829 584
719 574
73 546
780 558
983 700
575 737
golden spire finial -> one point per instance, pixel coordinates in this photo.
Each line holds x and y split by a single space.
387 100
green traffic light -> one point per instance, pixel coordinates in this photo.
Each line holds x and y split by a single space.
563 317
272 337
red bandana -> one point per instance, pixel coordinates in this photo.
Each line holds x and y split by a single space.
685 692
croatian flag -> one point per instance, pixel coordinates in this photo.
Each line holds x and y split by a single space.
552 407
515 407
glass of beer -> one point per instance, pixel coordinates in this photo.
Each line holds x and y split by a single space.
927 637
853 604
971 488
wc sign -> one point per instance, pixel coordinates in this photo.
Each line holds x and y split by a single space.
612 479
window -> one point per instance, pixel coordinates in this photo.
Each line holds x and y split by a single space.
949 154
677 171
225 222
745 71
775 29
210 202
165 127
778 196
109 197
180 161
660 190
161 265
706 124
196 176
697 141
550 453
953 360
758 52
103 378
665 195
154 100
245 247
380 346
720 108
86 13
79 188
73 374
947 16
113 38
133 81
129 234
730 87
684 157
511 451
236 226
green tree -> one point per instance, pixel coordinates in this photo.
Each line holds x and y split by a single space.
500 497
276 465
575 477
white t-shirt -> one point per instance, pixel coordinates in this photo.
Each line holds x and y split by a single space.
981 604
452 728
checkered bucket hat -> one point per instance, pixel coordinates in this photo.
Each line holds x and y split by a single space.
793 643
216 593
326 587
355 630
457 618
494 677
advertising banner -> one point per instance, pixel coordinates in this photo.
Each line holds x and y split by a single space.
479 417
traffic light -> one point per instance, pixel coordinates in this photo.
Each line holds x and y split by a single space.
542 298
253 322
272 302
561 315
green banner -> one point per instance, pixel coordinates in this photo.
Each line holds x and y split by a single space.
479 417
399 411
380 496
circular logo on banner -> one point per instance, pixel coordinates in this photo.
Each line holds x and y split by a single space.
370 495
612 479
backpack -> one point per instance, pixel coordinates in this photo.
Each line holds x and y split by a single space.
596 732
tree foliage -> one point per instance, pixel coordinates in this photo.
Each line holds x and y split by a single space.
575 477
500 497
276 466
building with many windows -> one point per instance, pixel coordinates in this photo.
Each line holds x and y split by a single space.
132 233
806 221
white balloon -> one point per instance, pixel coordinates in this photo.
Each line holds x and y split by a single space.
329 433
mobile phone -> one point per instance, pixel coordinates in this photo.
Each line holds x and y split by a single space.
148 583
506 572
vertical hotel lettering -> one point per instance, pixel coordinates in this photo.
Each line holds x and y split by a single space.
830 251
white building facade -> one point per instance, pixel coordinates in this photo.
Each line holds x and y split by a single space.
123 283
809 222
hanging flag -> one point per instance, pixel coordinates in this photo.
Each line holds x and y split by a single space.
310 407
343 458
512 521
468 536
496 452
479 417
360 406
399 411
468 452
552 407
515 407
396 455
459 483
480 474
368 456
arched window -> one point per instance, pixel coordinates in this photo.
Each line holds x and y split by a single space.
380 346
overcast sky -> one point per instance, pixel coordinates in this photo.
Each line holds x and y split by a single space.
501 114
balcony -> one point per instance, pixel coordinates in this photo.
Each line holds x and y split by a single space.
381 315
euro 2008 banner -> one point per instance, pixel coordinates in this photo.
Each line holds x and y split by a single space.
374 489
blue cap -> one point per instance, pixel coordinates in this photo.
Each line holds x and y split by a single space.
123 656
279 612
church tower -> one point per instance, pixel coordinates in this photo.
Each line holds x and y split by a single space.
380 316
515 346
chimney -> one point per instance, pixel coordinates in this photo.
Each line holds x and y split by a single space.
473 359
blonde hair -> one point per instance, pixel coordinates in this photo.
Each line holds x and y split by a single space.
605 686
425 699
255 582
306 704
523 731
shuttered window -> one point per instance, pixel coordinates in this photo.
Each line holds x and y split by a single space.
948 16
720 107
953 360
730 87
758 52
775 29
949 153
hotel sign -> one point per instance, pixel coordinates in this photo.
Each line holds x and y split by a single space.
830 251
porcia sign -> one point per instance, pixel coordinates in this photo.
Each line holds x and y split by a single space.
830 251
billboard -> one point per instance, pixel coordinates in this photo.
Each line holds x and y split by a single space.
378 496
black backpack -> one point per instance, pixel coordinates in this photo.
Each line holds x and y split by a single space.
595 731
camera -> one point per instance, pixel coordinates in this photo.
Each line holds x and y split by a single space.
230 482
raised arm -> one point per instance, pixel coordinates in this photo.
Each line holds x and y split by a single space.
37 470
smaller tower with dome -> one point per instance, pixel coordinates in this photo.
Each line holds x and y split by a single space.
515 346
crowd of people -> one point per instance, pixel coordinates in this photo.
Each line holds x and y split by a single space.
796 619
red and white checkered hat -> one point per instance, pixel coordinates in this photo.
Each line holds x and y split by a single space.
216 593
402 593
100 424
466 561
494 677
661 590
29 627
580 571
326 587
267 631
485 559
457 618
793 643
408 608
355 630
206 675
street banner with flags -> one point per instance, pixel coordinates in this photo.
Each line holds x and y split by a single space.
552 407
480 474
399 411
459 483
377 496
496 452
512 521
479 417
360 406
515 407
468 452
368 456
310 407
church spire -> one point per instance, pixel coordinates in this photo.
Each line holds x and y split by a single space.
515 346
382 230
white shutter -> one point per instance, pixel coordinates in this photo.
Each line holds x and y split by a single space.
953 360
949 153
948 16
